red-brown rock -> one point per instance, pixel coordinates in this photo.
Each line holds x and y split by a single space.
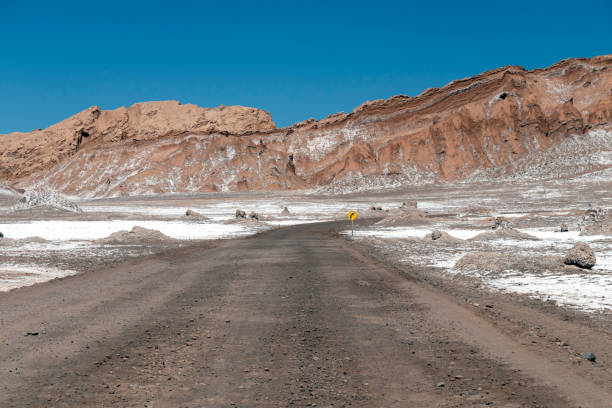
496 124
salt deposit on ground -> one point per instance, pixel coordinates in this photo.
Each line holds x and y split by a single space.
556 235
220 210
590 291
72 238
13 276
91 230
582 291
407 232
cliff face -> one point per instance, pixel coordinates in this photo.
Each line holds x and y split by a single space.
24 154
487 124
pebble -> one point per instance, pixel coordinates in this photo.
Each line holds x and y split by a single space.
587 355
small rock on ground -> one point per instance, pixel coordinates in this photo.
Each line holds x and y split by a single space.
587 355
581 255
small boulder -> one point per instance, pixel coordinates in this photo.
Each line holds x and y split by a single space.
441 236
253 215
587 355
375 208
409 204
194 215
1 235
501 223
285 212
564 228
594 214
241 214
581 255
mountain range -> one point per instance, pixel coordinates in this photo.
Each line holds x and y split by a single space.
504 124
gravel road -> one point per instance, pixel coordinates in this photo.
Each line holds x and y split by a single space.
290 317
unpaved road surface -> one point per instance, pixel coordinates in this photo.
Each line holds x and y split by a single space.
291 317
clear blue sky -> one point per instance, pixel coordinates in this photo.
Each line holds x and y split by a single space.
296 61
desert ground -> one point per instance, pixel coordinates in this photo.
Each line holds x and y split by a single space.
130 302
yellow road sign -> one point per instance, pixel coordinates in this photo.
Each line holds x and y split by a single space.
352 215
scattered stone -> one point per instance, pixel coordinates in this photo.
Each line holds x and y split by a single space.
409 204
581 255
375 208
435 234
593 220
192 213
564 228
587 355
285 212
252 219
196 215
501 223
594 214
1 235
440 385
31 334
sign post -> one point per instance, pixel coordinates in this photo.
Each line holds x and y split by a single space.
351 216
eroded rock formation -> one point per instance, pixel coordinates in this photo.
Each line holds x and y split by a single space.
502 123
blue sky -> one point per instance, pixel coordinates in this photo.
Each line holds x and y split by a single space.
296 61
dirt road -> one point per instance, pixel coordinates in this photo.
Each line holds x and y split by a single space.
291 317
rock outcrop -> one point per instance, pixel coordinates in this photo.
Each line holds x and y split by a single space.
501 124
403 217
45 199
503 233
441 236
500 263
581 255
137 235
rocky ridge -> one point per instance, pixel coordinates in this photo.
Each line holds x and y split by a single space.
496 125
